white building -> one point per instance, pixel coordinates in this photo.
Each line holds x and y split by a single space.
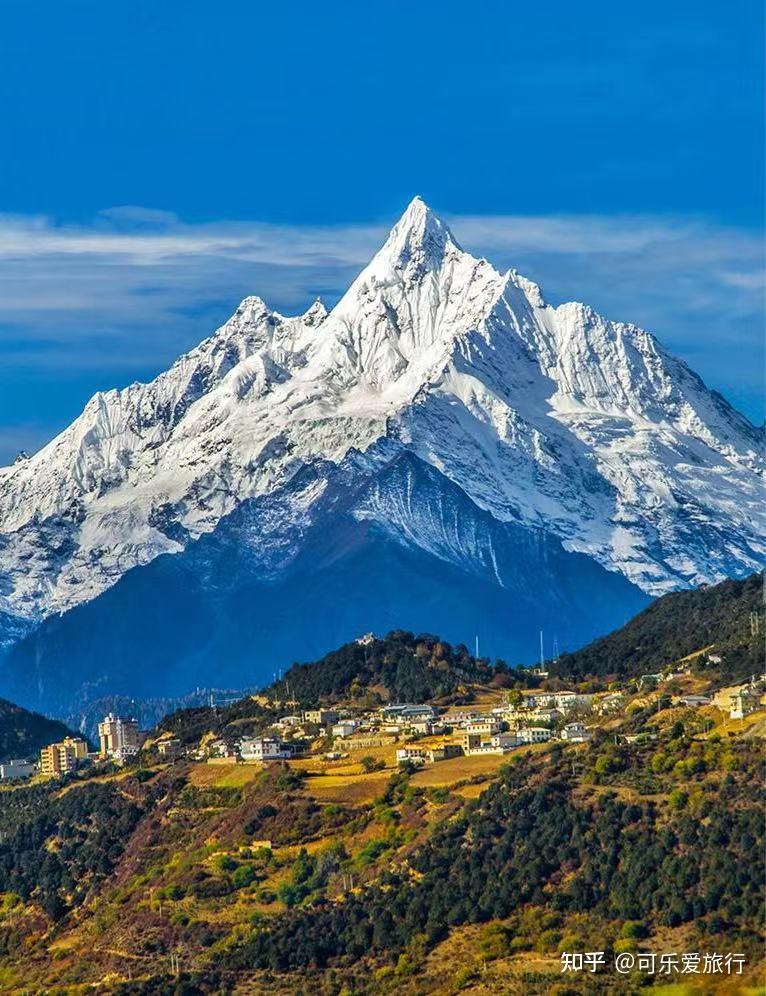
345 728
534 734
417 755
486 747
423 727
485 726
262 749
543 715
573 700
743 702
575 733
289 721
506 741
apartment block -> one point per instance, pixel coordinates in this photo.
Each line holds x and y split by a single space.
61 758
118 737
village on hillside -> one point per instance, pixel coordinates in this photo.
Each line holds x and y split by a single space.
495 723
422 734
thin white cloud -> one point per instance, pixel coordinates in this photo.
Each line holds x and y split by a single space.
130 291
147 238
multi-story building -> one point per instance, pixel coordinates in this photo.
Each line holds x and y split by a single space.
539 700
220 750
321 717
573 700
424 727
497 743
470 741
506 740
262 749
61 758
485 726
534 716
534 734
345 728
118 737
417 755
744 701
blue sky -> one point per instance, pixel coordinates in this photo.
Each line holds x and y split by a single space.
162 159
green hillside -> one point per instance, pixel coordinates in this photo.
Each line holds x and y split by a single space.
717 617
409 668
342 871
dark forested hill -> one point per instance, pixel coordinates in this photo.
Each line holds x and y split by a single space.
23 733
410 668
727 618
399 667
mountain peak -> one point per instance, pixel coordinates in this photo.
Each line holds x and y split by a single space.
316 314
581 428
419 236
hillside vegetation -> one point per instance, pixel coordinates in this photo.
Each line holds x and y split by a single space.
23 733
714 617
399 667
409 668
258 879
344 872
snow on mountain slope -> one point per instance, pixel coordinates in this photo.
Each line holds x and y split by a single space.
379 541
553 418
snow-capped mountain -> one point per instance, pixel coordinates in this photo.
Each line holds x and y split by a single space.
554 420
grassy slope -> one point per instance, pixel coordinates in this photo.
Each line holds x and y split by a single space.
190 877
186 872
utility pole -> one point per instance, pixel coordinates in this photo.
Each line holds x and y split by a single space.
476 655
542 655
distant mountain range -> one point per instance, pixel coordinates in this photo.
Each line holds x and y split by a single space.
443 450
